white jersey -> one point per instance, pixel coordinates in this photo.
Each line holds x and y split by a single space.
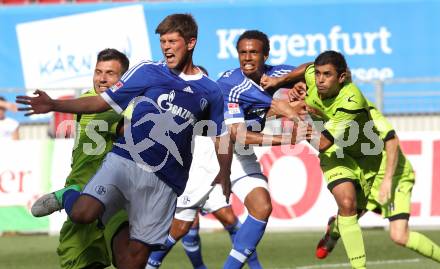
7 128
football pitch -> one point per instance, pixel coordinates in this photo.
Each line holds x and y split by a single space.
277 250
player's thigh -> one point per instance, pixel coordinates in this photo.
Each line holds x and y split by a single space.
179 228
81 246
399 206
151 207
105 188
345 179
113 227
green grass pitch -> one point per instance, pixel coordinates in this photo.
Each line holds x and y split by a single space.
277 250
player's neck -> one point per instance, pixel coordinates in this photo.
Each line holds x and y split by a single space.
188 68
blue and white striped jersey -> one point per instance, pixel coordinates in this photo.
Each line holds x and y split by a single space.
167 108
246 101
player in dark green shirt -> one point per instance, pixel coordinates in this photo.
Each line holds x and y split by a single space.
87 245
360 158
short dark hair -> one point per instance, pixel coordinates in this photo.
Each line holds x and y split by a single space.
184 24
255 34
334 58
2 98
113 54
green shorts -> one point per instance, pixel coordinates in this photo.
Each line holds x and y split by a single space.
399 206
347 169
81 245
85 244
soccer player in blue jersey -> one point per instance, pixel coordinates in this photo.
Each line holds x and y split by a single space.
148 168
246 107
199 195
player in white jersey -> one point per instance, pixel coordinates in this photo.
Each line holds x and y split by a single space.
199 194
148 168
246 107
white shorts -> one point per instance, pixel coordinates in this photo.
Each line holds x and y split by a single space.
215 201
246 175
199 193
150 203
204 168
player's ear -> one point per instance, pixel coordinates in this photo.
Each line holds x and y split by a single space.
266 57
342 77
192 43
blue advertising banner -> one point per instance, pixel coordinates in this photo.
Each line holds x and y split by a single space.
54 46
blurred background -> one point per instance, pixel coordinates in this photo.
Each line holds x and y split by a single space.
392 48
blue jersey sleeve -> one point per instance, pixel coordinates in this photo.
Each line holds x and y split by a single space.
132 84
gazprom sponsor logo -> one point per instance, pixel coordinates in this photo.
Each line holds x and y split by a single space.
165 102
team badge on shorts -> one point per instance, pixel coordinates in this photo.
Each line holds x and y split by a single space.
186 200
101 190
233 108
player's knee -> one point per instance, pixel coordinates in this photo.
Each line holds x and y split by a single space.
347 206
263 211
136 256
398 237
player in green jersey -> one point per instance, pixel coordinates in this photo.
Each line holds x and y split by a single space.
84 245
360 158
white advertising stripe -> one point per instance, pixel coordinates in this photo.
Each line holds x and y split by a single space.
68 45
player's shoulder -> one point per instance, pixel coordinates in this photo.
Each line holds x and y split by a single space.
231 76
210 84
278 70
351 97
90 92
145 66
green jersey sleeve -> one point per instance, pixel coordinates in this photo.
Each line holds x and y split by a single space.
382 125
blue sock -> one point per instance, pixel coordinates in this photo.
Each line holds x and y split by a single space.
156 257
252 261
245 242
191 244
69 198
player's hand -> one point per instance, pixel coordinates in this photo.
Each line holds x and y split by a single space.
301 131
295 111
269 82
225 181
298 92
40 104
11 107
385 191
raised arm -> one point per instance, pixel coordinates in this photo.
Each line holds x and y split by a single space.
278 82
42 103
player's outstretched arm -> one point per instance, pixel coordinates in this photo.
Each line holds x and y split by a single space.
295 75
223 149
42 103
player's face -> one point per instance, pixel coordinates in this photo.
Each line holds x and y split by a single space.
176 50
328 81
107 73
252 58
